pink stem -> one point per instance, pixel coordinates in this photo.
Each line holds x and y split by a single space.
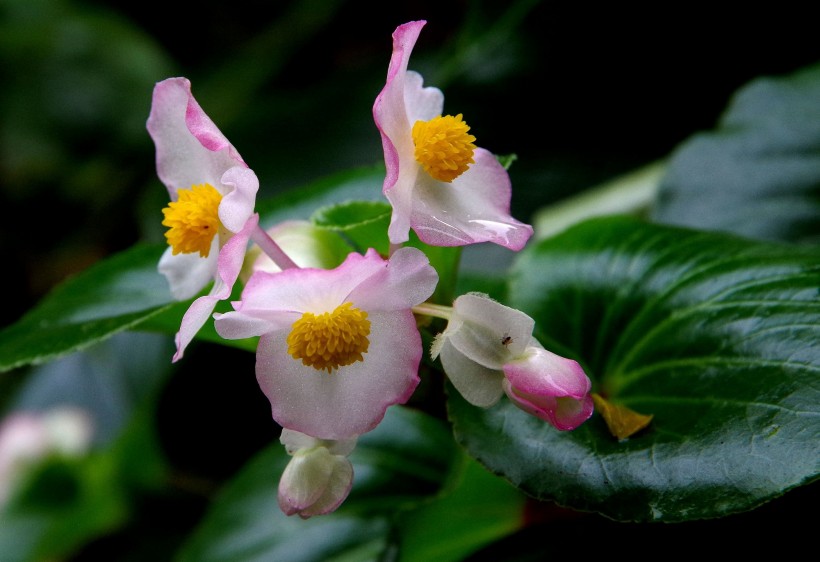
272 249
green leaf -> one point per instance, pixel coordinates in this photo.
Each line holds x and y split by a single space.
362 223
360 184
397 465
714 336
480 509
506 160
758 173
113 295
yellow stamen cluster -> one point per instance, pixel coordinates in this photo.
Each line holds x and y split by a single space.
193 220
443 146
330 340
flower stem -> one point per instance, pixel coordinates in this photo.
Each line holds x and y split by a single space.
272 249
434 310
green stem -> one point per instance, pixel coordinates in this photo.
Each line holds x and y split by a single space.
434 310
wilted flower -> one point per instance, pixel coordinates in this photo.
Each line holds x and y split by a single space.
488 350
318 478
211 214
450 192
337 346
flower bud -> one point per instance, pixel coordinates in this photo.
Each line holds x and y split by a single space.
319 476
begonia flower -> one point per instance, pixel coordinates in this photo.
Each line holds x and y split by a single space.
319 476
27 438
450 192
211 215
488 350
338 346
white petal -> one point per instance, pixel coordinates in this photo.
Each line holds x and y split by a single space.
187 274
478 385
353 399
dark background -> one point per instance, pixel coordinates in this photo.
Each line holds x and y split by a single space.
580 93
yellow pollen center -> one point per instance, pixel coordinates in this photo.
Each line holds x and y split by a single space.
193 220
443 146
330 340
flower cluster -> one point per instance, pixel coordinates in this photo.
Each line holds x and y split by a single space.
339 345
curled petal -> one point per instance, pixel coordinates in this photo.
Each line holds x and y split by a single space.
190 149
307 290
392 120
238 203
488 332
229 263
406 280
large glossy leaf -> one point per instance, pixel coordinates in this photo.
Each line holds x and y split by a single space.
758 173
402 462
111 296
715 336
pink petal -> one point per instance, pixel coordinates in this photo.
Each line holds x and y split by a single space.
406 280
229 262
238 203
541 372
307 290
190 148
549 387
563 413
272 301
390 115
